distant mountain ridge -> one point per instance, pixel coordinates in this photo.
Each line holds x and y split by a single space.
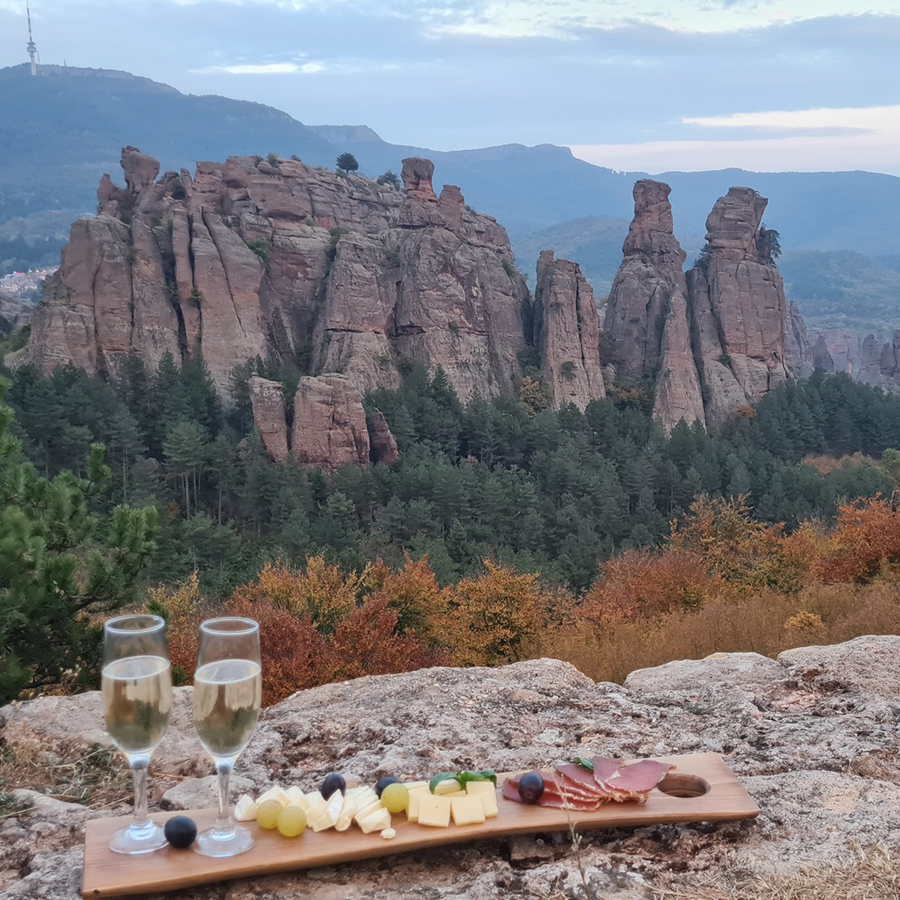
65 128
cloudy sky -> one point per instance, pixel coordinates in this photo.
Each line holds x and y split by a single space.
653 85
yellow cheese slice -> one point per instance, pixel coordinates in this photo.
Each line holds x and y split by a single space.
274 793
488 797
434 810
467 810
448 786
296 797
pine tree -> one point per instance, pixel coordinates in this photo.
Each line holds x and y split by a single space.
60 565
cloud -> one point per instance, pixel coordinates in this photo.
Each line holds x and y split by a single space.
806 140
283 68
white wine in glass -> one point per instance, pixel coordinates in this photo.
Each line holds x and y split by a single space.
227 698
137 701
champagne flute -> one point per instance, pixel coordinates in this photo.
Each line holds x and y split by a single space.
227 698
137 701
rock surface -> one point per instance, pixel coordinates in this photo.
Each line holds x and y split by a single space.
329 424
879 364
383 446
567 332
812 736
283 260
267 398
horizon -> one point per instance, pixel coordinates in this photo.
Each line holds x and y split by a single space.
535 76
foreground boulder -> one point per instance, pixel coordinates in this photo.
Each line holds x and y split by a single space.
812 736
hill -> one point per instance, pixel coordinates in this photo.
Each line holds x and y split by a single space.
65 128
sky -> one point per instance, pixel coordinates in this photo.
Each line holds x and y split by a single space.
650 85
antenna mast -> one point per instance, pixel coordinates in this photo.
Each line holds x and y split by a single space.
31 46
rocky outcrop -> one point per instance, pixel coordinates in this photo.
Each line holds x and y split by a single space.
879 364
267 399
382 443
742 291
567 332
811 736
798 354
647 313
250 257
821 356
329 424
715 340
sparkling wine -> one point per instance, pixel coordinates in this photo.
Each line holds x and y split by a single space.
137 701
227 697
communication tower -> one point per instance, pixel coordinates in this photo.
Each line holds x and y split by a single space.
31 46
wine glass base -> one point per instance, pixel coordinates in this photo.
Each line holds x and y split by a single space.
224 843
135 840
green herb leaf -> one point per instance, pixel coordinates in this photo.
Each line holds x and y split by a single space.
585 763
482 775
442 776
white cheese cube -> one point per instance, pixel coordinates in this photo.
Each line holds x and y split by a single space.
364 811
376 821
273 793
296 797
388 834
348 811
245 809
317 806
467 810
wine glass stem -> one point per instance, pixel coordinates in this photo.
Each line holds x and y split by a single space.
224 768
139 766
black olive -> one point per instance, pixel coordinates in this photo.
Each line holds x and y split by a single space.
382 783
180 832
332 783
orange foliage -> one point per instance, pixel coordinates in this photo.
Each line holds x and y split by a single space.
183 611
413 592
322 592
493 619
865 542
647 583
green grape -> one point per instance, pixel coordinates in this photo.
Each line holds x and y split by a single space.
292 821
395 798
268 813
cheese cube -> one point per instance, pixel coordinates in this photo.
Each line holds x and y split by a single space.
317 806
245 809
364 811
415 785
459 793
447 786
434 810
348 811
377 821
296 797
487 796
273 793
467 810
412 811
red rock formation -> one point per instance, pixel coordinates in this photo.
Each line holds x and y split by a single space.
821 356
567 332
329 424
647 313
267 398
383 445
249 258
743 292
798 355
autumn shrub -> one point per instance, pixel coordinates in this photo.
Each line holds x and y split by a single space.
865 542
747 555
183 609
324 593
413 592
493 619
648 583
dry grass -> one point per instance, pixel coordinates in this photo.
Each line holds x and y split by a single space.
824 464
766 623
873 874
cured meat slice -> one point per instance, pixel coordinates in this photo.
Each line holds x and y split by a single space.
581 776
640 777
550 798
564 786
605 767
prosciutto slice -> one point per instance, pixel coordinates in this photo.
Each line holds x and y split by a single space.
556 795
572 772
635 781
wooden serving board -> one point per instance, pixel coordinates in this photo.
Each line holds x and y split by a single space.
108 874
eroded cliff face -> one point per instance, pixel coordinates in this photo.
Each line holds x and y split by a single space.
712 340
879 364
253 258
647 312
567 332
